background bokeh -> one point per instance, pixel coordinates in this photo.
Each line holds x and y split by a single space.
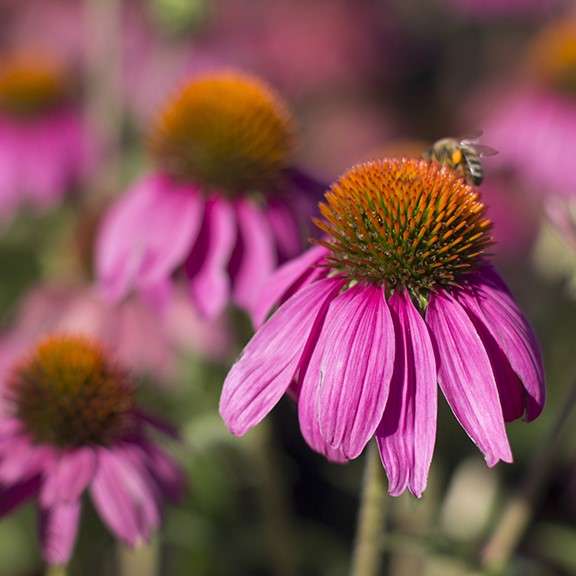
365 79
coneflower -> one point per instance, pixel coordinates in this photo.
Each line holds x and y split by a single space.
223 203
70 425
397 298
44 147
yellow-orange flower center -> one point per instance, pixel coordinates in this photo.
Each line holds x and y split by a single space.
404 224
30 86
67 393
225 131
553 56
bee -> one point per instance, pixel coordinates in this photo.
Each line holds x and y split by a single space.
461 155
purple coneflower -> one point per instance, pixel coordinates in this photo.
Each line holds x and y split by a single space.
43 143
397 299
70 425
533 124
223 203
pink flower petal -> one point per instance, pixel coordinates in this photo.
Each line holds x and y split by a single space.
165 472
123 496
12 496
285 281
347 379
147 234
510 389
24 460
466 378
68 477
514 335
58 530
257 259
407 433
209 284
285 229
261 376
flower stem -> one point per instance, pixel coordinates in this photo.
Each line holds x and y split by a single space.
273 503
56 571
367 555
520 509
141 561
104 101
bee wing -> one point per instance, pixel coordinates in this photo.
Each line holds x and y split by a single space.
471 137
485 150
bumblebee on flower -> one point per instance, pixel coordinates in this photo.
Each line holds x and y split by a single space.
224 203
397 298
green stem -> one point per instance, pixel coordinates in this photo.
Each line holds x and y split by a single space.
367 555
520 509
140 561
273 502
104 91
56 571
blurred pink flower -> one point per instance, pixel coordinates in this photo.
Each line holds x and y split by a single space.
44 147
144 339
533 123
279 38
71 426
514 213
535 133
224 204
387 307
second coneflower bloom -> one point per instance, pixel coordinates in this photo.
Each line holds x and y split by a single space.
397 299
222 204
70 425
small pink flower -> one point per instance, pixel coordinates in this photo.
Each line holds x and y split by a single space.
223 205
44 149
70 426
397 299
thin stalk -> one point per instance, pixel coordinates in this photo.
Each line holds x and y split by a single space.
367 555
56 571
273 502
141 561
520 509
103 21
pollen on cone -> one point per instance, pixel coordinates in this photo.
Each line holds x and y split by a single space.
404 223
226 131
68 393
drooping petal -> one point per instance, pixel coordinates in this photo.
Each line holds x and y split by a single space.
11 496
514 335
68 477
123 497
24 460
285 281
309 424
209 282
347 380
510 389
147 234
58 530
257 260
165 472
466 378
407 432
267 366
285 229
